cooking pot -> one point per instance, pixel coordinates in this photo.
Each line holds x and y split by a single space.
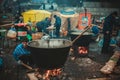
84 40
49 54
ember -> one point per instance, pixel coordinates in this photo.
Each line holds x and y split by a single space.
79 51
48 74
52 73
82 50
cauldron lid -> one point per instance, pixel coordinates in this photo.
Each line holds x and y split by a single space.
51 43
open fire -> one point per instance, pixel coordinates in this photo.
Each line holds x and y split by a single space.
48 74
79 50
82 50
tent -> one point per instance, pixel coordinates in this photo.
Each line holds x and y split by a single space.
64 15
69 20
35 15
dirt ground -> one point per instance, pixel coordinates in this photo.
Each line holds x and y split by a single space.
82 68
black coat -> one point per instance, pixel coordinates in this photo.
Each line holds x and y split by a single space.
108 24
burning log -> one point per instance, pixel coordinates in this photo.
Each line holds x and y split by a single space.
109 67
45 74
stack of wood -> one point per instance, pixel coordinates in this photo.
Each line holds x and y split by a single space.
109 67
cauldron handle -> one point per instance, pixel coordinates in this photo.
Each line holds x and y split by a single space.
81 34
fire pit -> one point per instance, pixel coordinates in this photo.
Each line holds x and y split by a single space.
50 54
81 45
55 74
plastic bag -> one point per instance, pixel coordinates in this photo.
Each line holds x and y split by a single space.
12 33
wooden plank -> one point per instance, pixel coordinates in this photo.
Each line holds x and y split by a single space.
110 65
31 76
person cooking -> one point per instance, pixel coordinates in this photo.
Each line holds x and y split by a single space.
57 25
21 53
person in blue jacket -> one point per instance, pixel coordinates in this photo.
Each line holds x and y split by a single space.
108 25
42 25
21 53
57 25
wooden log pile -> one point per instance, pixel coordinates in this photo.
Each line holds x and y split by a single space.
110 65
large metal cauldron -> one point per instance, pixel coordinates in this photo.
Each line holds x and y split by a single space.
84 40
50 54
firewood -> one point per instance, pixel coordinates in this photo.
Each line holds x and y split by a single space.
27 66
110 65
99 79
32 76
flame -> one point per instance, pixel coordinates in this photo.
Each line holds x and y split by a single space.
82 50
49 73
